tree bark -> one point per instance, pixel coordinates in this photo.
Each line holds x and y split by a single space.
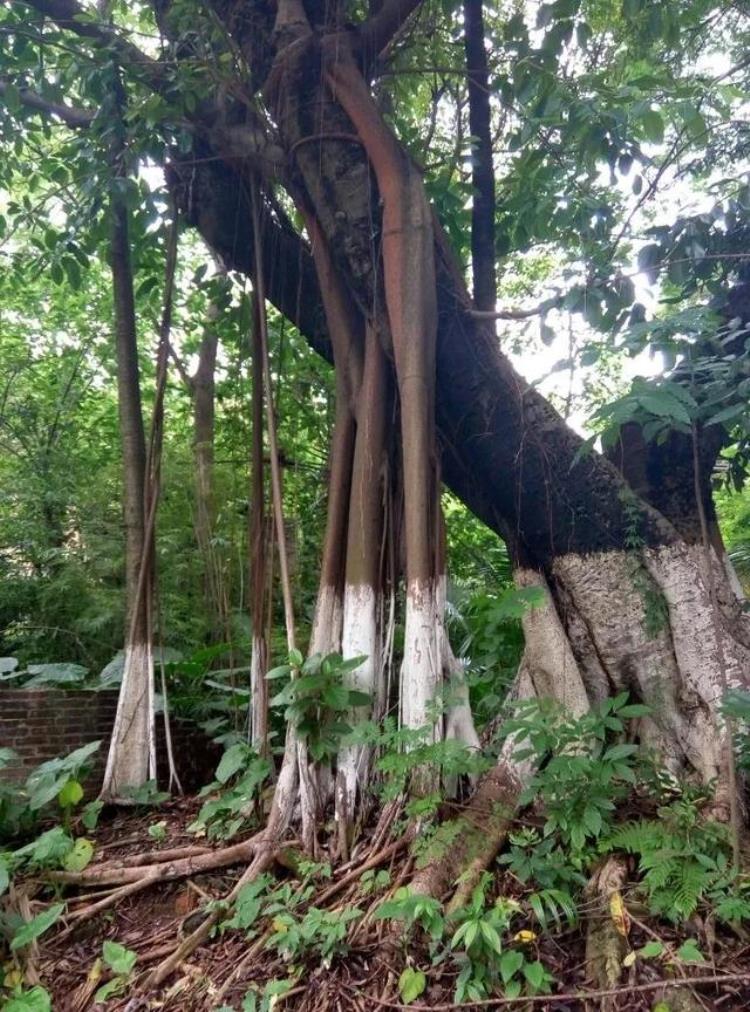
259 584
202 387
132 754
482 171
610 558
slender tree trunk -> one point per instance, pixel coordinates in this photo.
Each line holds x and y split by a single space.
345 327
202 387
363 594
259 584
132 753
482 171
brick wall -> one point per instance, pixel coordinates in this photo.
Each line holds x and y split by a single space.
39 724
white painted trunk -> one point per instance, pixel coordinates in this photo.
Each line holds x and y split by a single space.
131 761
421 670
325 636
459 722
360 638
258 695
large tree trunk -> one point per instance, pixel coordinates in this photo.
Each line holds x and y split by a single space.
627 582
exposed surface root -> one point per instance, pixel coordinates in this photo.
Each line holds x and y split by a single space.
263 860
207 969
113 873
608 926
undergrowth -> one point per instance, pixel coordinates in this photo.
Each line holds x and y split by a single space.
593 794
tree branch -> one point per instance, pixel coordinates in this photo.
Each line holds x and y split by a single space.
69 15
375 33
70 115
516 314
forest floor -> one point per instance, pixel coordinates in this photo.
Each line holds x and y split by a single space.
219 974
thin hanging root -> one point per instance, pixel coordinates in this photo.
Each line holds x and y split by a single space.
296 750
265 856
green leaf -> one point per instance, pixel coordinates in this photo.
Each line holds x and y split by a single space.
689 952
619 752
411 984
593 819
282 671
4 876
535 974
34 1000
80 856
470 935
233 760
491 937
650 950
634 710
91 813
115 986
511 962
36 926
119 959
70 795
359 698
653 126
727 414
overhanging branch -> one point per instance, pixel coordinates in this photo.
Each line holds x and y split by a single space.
69 114
375 33
70 16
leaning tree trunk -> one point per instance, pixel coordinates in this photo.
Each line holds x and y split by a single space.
626 585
